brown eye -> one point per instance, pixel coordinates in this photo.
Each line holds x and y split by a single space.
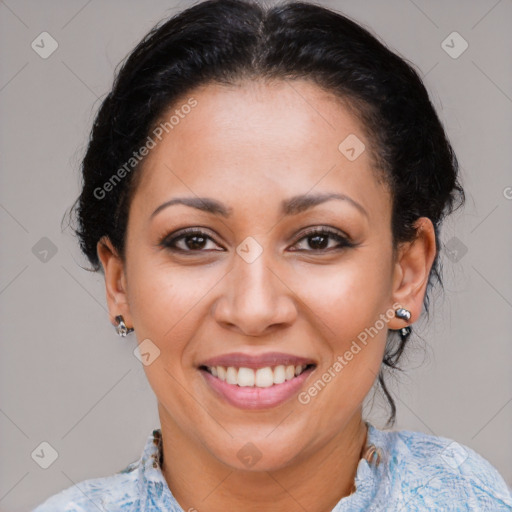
194 242
318 239
190 240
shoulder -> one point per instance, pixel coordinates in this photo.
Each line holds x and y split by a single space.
437 473
119 490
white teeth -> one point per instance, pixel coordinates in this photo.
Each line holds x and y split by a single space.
221 372
245 377
264 377
289 372
260 378
231 375
279 374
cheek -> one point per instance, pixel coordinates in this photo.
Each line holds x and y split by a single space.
161 294
164 304
349 306
351 314
165 309
348 297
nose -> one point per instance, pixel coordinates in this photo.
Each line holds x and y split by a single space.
255 299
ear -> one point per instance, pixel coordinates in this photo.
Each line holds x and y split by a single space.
411 273
115 281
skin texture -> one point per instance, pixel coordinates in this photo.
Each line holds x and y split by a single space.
250 146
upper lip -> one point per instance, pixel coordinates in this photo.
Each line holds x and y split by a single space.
239 360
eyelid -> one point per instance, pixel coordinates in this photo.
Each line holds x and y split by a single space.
182 233
343 240
323 229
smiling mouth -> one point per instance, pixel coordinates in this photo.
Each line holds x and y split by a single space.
264 377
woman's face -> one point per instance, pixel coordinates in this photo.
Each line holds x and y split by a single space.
250 287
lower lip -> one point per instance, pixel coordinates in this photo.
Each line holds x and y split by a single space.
245 397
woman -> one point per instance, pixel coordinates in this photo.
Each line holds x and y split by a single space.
263 190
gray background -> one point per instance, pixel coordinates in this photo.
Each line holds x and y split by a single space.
67 379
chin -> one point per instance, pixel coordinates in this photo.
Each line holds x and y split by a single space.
258 455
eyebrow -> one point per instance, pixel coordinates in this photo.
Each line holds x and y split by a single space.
291 206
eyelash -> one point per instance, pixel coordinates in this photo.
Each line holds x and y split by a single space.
344 242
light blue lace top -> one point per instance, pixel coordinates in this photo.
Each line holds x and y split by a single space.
416 472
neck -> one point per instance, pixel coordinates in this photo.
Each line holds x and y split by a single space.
316 482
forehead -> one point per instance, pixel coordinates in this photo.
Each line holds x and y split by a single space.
279 138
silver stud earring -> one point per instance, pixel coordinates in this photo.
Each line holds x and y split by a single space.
121 328
402 313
